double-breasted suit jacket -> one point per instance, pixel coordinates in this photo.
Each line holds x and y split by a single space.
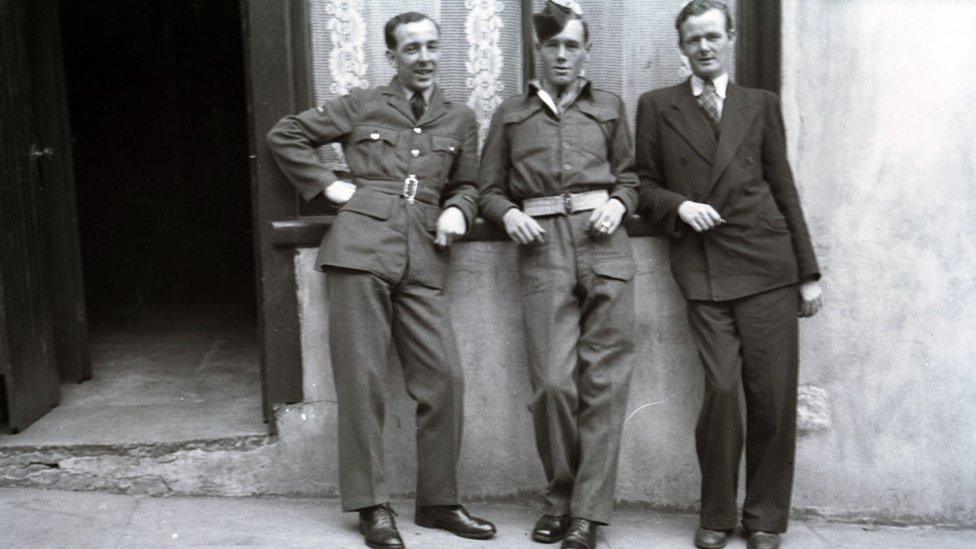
383 145
743 173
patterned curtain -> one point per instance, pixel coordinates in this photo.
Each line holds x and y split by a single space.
480 58
634 47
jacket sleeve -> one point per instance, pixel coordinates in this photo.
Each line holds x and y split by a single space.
779 177
461 191
294 140
658 204
622 162
495 165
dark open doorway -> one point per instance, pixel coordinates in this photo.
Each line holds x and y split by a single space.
157 106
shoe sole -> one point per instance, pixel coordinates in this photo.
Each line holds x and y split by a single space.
710 545
438 526
372 545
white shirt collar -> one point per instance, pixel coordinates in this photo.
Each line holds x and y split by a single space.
721 85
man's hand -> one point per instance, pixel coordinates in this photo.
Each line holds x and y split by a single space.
450 225
701 217
339 191
522 228
810 298
606 218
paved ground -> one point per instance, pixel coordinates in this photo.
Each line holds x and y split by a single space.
41 519
163 374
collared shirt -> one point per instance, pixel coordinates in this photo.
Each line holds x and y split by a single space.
408 93
382 141
531 152
558 105
721 88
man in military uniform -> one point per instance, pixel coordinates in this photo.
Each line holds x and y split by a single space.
412 155
711 156
557 173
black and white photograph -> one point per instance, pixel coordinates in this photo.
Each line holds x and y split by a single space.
447 274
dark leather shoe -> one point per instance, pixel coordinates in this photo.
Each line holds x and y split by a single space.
763 540
378 527
550 528
710 539
581 535
456 520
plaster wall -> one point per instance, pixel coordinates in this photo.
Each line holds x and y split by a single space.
878 101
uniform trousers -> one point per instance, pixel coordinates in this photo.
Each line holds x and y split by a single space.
752 341
366 312
578 307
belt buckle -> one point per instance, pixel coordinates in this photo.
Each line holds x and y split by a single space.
410 186
567 203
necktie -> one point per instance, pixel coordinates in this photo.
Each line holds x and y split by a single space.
417 105
709 102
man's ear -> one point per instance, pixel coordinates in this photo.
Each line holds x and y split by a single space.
391 58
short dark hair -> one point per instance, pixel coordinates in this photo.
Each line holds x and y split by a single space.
389 30
698 7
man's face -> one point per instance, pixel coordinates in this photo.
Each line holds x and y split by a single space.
564 54
415 57
706 44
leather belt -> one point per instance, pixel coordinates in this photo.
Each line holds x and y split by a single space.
564 204
410 188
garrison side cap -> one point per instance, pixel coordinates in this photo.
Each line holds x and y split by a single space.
553 18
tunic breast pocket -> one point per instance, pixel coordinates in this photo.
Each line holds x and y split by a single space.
370 150
445 149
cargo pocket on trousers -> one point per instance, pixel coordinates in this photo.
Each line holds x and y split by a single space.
618 269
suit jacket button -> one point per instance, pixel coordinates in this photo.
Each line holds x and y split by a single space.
750 159
683 161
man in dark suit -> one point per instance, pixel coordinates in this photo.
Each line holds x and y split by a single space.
413 156
711 157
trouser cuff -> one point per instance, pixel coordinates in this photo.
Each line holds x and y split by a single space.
719 523
776 527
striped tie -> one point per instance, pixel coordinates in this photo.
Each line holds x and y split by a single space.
709 101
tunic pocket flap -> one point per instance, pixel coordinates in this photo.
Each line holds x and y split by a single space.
599 113
370 203
444 143
374 133
620 269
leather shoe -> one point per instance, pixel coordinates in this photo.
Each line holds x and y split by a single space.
710 539
378 527
581 534
455 519
550 528
763 540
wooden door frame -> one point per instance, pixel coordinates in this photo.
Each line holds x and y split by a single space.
278 61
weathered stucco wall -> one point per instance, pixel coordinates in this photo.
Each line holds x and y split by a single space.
879 103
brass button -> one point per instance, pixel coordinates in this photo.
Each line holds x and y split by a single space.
567 166
565 145
451 148
415 152
417 130
374 136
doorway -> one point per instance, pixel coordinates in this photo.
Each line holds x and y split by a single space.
157 107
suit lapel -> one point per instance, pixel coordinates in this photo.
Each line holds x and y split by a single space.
396 99
738 113
690 125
